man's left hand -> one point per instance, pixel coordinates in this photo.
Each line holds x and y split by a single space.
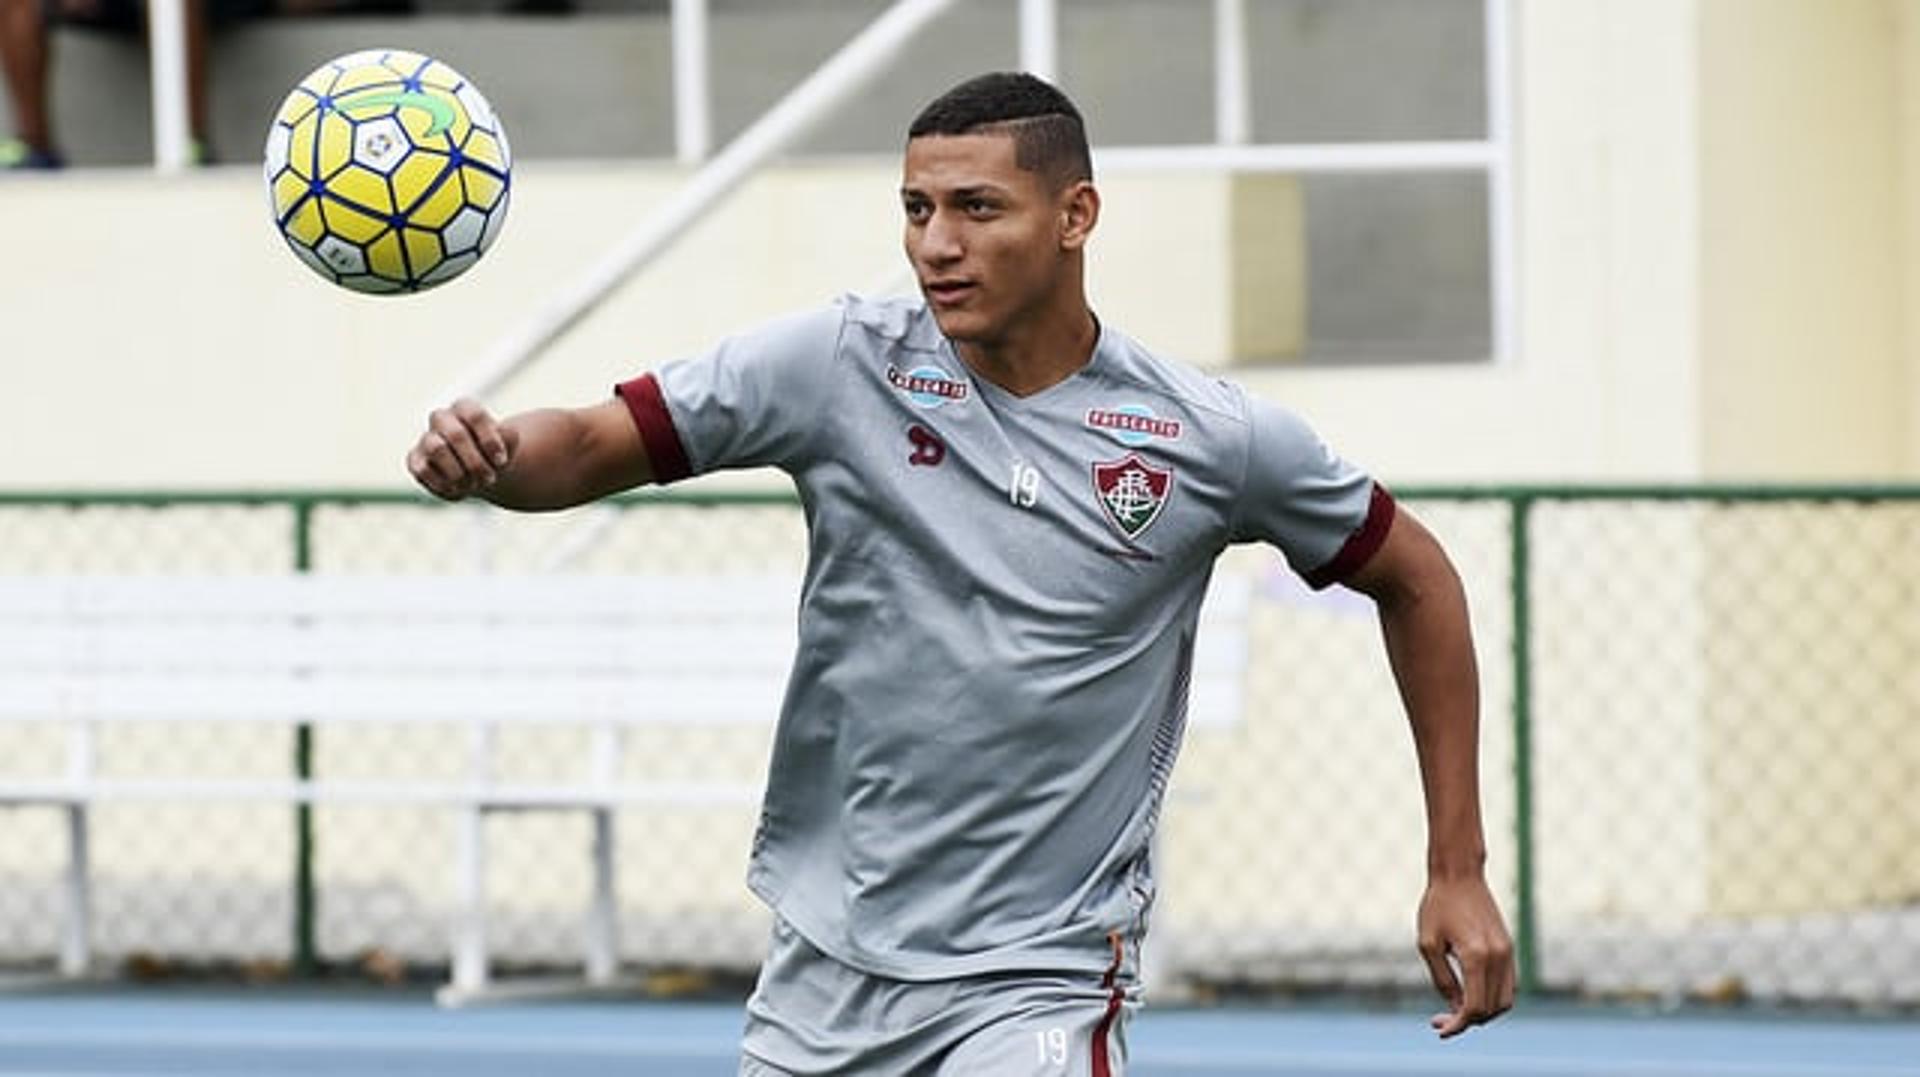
1468 952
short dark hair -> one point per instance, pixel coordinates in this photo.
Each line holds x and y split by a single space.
1048 133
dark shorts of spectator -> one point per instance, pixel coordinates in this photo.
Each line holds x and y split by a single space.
130 16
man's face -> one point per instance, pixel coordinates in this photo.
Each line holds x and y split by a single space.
983 234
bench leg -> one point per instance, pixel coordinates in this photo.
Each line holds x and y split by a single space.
603 918
75 953
470 916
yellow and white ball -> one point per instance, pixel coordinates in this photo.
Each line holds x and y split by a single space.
388 172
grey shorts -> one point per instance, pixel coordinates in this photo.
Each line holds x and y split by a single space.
810 1015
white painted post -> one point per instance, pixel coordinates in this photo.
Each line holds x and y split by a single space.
167 46
1501 254
1040 38
692 100
1232 114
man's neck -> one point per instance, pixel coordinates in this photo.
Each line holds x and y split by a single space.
1039 356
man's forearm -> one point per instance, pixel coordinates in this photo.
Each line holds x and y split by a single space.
543 474
1430 645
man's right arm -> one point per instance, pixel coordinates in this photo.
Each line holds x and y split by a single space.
536 461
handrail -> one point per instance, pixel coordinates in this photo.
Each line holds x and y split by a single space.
835 80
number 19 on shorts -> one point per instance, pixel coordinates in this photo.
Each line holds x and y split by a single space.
1052 1045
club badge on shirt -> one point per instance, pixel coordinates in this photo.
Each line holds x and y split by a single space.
1131 493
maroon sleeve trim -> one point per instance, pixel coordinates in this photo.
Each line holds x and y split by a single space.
665 454
1361 545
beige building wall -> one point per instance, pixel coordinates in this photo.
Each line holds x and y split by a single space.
1804 369
1808 368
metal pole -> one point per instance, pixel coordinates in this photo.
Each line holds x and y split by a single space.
692 101
1232 113
1526 933
784 124
1040 38
167 46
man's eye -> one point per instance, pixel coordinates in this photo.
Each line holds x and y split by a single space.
978 206
916 211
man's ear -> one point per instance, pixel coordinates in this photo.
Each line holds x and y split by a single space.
1079 212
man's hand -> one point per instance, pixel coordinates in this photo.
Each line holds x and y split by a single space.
462 452
1468 952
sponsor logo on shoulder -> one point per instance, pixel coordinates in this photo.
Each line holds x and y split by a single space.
1133 424
927 385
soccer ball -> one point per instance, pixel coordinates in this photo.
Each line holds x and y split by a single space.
387 172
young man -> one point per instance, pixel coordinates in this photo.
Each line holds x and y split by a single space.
1013 513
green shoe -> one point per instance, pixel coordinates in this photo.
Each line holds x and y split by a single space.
17 156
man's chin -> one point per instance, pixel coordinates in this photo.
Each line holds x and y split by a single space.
958 326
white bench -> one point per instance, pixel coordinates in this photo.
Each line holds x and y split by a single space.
479 651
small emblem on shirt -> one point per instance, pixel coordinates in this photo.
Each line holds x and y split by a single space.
1131 493
928 448
927 386
1133 424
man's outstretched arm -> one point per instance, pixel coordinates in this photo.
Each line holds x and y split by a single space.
551 458
1423 615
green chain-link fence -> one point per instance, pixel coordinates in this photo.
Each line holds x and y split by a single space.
1700 745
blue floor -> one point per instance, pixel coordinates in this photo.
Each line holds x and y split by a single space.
128 1032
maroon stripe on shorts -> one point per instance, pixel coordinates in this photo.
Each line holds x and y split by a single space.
1102 1067
665 454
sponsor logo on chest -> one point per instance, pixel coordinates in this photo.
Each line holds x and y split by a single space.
1133 424
927 385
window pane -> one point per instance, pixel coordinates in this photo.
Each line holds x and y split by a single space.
1397 267
1366 70
1141 70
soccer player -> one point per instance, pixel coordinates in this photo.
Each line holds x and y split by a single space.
1013 512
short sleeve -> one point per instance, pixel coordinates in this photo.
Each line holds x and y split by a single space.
757 399
1324 514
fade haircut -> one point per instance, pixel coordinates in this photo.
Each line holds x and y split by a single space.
1049 137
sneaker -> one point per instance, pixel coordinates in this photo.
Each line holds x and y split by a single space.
17 156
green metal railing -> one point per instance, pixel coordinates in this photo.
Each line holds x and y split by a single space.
1521 505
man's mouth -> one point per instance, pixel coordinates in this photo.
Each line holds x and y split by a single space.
949 292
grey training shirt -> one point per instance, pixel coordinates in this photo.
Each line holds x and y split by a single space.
997 619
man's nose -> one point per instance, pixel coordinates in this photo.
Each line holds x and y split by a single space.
940 240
